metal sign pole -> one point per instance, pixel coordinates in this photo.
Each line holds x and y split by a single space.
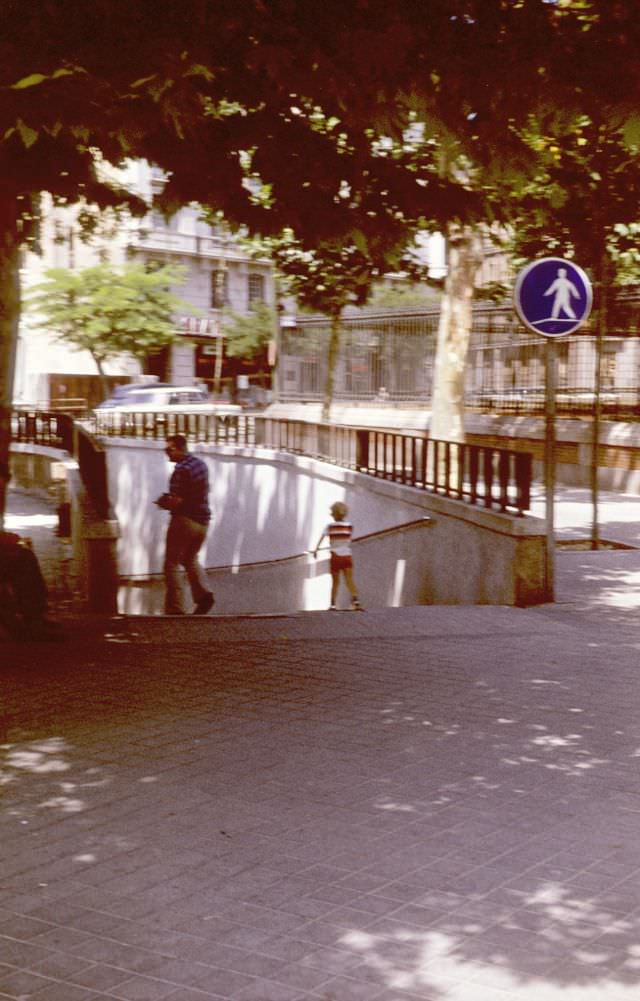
553 298
550 463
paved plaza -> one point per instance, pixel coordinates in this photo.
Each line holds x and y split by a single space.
434 803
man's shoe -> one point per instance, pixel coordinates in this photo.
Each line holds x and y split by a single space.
205 604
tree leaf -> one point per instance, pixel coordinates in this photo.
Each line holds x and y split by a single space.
29 81
35 79
631 131
28 135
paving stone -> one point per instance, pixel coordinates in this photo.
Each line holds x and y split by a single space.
142 989
60 966
17 983
190 994
99 977
268 990
64 992
346 989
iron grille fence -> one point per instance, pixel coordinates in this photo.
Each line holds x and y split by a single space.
389 359
235 429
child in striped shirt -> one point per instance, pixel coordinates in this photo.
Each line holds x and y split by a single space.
339 533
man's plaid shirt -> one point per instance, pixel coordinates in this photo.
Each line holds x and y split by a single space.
190 480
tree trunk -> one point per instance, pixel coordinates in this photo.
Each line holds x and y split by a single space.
603 286
332 358
454 331
104 385
9 320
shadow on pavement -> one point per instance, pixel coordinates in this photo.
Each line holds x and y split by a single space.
425 806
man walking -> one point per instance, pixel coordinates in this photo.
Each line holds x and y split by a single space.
188 503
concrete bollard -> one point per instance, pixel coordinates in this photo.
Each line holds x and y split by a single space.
99 539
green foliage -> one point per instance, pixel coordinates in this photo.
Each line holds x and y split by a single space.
352 125
410 296
272 111
110 311
583 199
248 335
339 273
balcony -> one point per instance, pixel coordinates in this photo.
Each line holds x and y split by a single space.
163 241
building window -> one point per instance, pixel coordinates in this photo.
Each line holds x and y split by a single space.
219 288
255 289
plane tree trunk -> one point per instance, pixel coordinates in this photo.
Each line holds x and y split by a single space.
102 377
332 358
10 240
454 332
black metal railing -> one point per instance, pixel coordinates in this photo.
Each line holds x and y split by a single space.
54 430
46 428
493 478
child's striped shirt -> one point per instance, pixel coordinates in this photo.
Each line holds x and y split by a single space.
339 533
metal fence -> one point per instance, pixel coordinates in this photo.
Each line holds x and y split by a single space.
54 430
39 427
494 478
389 359
237 429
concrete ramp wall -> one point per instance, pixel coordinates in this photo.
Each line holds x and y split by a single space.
391 570
269 510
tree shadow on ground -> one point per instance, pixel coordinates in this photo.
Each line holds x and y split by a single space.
444 818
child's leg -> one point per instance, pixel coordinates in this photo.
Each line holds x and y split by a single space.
349 581
335 580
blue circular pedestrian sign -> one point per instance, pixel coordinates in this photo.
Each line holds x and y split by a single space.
552 296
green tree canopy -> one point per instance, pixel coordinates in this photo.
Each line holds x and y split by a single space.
248 335
583 199
280 113
110 311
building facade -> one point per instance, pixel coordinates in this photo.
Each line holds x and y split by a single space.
218 274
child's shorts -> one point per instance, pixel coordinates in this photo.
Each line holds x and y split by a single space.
339 563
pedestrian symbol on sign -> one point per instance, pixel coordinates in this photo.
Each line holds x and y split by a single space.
563 289
553 297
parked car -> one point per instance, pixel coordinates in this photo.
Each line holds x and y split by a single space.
122 393
165 398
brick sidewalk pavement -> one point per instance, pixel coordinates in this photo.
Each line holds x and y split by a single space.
434 803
